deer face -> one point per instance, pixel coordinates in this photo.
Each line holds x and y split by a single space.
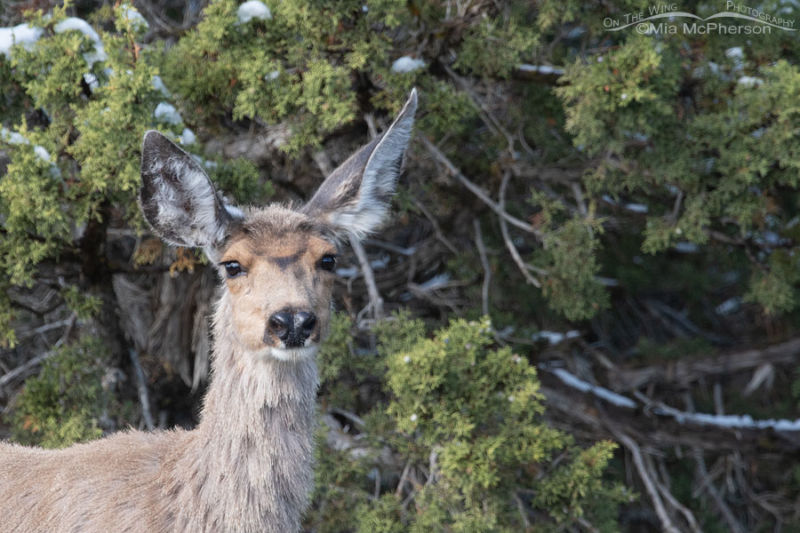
276 263
278 269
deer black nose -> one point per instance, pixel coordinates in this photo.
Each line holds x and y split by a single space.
305 322
293 328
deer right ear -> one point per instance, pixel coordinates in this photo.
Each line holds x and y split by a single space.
178 199
354 199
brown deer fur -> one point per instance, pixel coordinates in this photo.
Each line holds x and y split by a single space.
247 467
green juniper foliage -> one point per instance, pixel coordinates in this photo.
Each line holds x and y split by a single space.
63 403
464 417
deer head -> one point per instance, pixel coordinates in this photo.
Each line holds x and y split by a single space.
277 263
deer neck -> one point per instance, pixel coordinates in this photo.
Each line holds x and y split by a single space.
253 449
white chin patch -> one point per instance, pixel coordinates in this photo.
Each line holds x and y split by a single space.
292 354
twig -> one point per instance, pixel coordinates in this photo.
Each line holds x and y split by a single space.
576 191
377 491
408 252
708 485
354 418
403 477
523 513
512 249
370 120
323 162
141 386
434 456
638 461
587 525
487 273
45 327
436 228
375 300
25 367
477 191
665 492
21 369
483 110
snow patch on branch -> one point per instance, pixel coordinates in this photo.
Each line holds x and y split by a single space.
727 421
636 208
601 392
137 21
12 137
254 9
555 337
541 69
188 136
15 137
158 85
78 24
682 417
749 81
23 34
407 64
167 113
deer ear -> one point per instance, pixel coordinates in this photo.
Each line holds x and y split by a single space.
178 199
354 199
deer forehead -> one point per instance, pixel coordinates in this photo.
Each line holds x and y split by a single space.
279 237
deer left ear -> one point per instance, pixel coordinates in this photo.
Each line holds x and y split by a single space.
354 199
178 199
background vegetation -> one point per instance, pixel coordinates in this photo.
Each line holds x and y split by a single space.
595 242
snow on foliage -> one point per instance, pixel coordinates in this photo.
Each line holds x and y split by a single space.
130 14
188 136
167 113
555 337
12 137
158 85
78 24
541 69
749 81
407 64
254 9
42 152
23 34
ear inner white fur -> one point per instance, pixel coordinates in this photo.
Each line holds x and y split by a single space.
354 199
177 197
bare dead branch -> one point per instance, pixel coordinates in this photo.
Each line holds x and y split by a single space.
477 191
671 500
647 480
512 249
24 368
375 299
487 271
683 372
708 485
437 229
141 387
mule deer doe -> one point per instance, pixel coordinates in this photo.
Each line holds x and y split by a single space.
248 464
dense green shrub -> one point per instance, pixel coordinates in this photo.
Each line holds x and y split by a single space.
463 421
62 405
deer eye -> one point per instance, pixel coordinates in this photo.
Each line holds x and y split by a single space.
233 268
328 262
